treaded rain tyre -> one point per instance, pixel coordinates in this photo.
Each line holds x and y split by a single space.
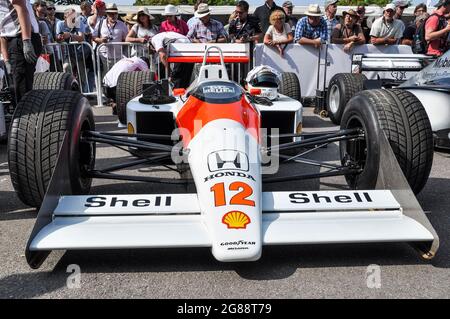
55 81
342 87
290 85
403 119
129 85
40 121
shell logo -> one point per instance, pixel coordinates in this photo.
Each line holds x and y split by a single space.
236 220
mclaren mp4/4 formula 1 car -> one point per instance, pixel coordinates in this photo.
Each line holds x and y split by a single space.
52 162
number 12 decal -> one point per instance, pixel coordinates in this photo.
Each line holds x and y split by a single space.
238 199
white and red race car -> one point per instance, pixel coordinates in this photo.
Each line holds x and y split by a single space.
220 142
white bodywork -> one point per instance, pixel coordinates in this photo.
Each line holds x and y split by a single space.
284 220
437 105
432 87
282 104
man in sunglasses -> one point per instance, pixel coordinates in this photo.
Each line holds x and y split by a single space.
245 27
362 20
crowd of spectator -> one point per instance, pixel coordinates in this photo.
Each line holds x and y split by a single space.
271 24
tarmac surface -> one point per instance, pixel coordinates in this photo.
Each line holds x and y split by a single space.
308 271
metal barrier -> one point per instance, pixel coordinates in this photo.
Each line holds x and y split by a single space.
77 58
109 54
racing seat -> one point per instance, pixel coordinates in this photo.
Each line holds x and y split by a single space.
212 72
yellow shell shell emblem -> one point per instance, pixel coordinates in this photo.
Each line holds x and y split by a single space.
236 220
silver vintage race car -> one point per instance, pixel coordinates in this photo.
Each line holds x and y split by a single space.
430 85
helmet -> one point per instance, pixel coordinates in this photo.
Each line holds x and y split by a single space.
266 79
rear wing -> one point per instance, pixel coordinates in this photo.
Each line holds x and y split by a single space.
389 62
194 52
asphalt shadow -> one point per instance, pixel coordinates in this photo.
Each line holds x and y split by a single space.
277 262
31 285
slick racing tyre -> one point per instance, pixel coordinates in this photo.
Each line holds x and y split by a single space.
55 81
37 131
290 86
402 118
342 87
129 85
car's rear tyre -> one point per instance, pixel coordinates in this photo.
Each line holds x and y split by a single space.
55 81
342 87
290 85
404 121
129 85
40 121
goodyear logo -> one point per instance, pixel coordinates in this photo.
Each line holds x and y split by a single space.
236 220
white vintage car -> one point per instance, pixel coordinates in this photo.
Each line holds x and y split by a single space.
220 142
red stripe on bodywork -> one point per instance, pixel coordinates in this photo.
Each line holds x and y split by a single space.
196 111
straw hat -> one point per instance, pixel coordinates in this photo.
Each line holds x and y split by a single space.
350 12
170 10
111 8
145 11
389 6
314 11
202 10
129 18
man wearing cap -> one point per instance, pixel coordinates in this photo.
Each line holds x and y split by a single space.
245 27
330 16
349 33
45 30
400 6
206 30
312 29
51 18
437 29
173 23
19 27
386 30
288 7
263 13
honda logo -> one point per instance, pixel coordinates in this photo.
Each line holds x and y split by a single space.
227 159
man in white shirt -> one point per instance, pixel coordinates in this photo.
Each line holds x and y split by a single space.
386 30
110 30
19 27
181 72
